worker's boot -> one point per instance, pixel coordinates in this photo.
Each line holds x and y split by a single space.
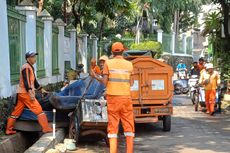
113 145
207 107
43 121
129 144
212 108
10 126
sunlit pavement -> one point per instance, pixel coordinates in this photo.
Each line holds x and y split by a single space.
192 132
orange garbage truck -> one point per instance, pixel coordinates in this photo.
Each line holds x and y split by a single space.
152 89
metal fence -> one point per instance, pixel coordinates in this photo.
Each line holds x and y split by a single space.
40 48
167 43
189 45
179 45
55 68
89 52
16 28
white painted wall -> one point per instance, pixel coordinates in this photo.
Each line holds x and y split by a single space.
82 50
73 47
5 87
66 47
48 45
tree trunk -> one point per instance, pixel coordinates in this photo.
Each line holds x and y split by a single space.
101 28
225 8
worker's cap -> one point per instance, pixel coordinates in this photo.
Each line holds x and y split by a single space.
209 66
30 54
103 58
117 47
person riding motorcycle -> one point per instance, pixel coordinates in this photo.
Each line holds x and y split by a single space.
181 67
195 70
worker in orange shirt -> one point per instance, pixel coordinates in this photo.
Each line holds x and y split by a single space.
201 64
26 96
94 67
116 77
210 80
102 61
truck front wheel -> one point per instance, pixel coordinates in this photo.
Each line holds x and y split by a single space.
166 123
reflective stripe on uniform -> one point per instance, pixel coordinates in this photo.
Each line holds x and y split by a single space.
118 80
15 117
41 113
119 71
112 135
129 134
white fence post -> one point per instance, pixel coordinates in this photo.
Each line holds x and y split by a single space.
95 47
5 85
173 43
30 11
47 18
72 31
184 40
82 50
61 39
160 35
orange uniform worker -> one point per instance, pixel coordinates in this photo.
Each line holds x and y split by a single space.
26 96
116 77
94 66
210 80
102 61
201 64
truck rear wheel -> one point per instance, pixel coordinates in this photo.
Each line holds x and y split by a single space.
167 123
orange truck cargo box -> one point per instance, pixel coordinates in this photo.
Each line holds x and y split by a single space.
152 88
152 81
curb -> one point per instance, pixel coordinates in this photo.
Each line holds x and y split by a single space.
46 142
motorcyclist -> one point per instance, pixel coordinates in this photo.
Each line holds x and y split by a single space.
195 70
181 66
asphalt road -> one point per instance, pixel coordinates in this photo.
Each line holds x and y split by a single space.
192 132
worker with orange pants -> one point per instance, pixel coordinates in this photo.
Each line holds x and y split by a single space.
210 79
26 96
116 77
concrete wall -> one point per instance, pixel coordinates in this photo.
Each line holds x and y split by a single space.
66 46
5 89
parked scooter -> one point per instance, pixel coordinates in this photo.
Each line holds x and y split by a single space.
192 90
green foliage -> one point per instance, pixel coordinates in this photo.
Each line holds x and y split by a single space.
54 8
6 107
221 48
212 21
188 12
148 45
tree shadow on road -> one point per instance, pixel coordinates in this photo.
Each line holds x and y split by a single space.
195 135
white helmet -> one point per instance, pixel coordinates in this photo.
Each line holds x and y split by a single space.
209 66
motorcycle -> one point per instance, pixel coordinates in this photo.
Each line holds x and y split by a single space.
192 90
182 74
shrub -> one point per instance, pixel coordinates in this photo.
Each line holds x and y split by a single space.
148 45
